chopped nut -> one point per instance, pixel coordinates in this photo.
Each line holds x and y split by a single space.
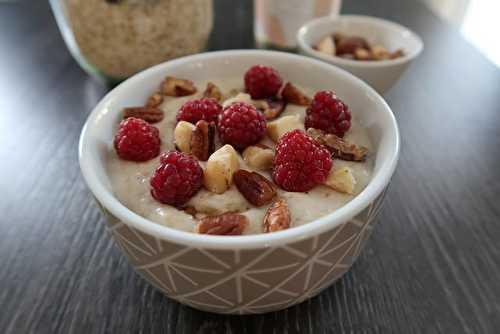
350 44
337 37
239 97
212 91
149 114
232 93
203 140
277 128
154 100
356 48
292 94
327 46
341 180
222 164
225 224
277 217
262 146
363 54
254 187
339 147
271 108
183 133
177 87
259 156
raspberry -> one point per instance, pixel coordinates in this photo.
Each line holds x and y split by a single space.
176 179
328 113
262 82
137 140
300 162
201 109
241 125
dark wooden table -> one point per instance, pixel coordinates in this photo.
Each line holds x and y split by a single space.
431 266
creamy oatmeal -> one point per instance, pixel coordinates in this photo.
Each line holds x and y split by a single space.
130 180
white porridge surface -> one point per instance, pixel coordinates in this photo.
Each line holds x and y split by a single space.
130 180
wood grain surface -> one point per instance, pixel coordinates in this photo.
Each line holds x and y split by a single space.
431 266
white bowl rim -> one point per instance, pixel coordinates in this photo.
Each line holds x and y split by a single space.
343 214
409 56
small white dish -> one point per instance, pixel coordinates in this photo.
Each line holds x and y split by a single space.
381 75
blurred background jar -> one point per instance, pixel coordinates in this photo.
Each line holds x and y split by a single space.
114 39
277 21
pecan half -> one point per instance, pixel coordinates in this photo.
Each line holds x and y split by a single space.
225 224
271 107
154 100
177 87
149 114
212 91
292 94
262 146
363 54
254 187
203 140
337 37
277 217
339 148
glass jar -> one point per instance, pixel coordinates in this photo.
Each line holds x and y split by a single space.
113 39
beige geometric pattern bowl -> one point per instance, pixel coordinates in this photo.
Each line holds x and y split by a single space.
246 281
251 273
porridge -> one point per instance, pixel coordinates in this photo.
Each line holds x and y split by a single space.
238 158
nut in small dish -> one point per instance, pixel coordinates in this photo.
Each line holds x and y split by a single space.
355 48
203 140
277 217
149 114
212 91
254 187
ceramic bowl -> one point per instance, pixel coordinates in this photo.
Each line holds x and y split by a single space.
251 273
381 75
